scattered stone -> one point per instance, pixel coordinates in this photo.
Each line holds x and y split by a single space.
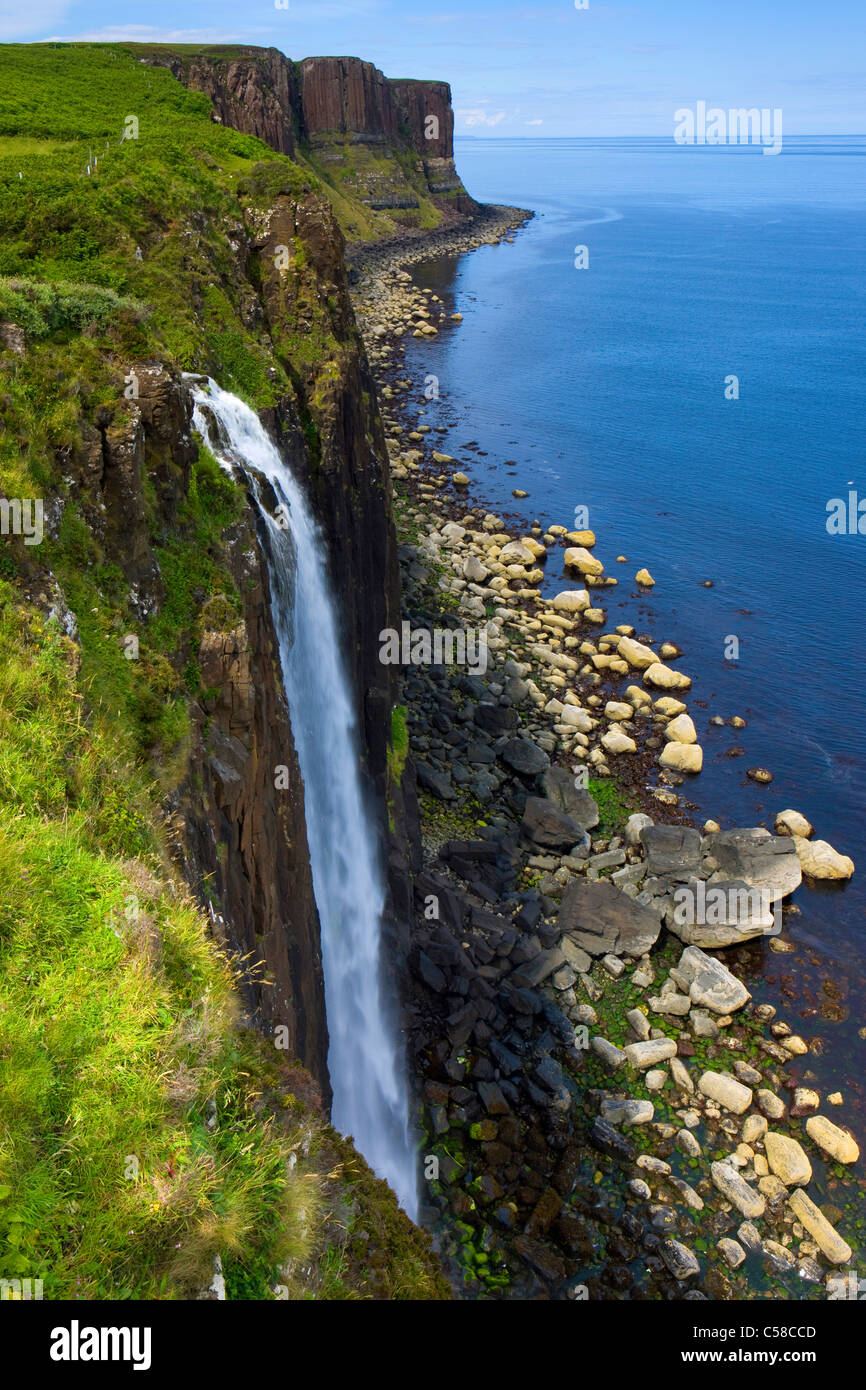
770 1104
547 826
818 859
834 1141
688 1144
711 983
703 1026
639 1024
525 757
646 1054
682 757
645 578
618 742
829 1242
679 1259
737 1191
787 1159
805 1102
732 1253
792 823
655 1080
672 851
559 787
665 678
754 1128
758 859
627 1112
613 1057
724 1090
781 1259
680 1074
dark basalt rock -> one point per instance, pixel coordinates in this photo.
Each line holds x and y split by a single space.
548 827
603 920
558 786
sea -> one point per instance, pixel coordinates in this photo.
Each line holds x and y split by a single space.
672 353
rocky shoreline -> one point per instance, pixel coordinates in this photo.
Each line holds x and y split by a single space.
608 1112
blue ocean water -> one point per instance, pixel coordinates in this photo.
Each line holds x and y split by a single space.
606 386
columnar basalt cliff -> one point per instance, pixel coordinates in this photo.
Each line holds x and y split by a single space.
345 114
345 96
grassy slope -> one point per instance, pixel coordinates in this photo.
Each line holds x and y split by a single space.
118 1019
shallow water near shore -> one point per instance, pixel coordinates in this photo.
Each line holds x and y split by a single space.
606 387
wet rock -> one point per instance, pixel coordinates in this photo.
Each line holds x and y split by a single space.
834 1141
492 1098
818 859
613 1057
737 1191
787 1159
725 1091
608 1140
750 1076
829 1242
643 1055
805 1102
781 1260
627 1112
732 1253
770 1104
435 782
541 1258
679 1259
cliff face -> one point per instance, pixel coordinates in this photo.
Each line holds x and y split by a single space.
347 479
242 841
345 96
346 116
254 90
427 118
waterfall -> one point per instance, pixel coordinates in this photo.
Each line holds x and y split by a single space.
369 1093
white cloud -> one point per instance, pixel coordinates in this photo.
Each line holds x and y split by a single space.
149 33
476 116
538 122
20 21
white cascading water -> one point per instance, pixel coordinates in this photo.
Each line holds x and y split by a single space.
369 1093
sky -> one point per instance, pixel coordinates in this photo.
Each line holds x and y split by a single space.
529 70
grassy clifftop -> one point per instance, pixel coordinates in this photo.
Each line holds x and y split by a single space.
143 1129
